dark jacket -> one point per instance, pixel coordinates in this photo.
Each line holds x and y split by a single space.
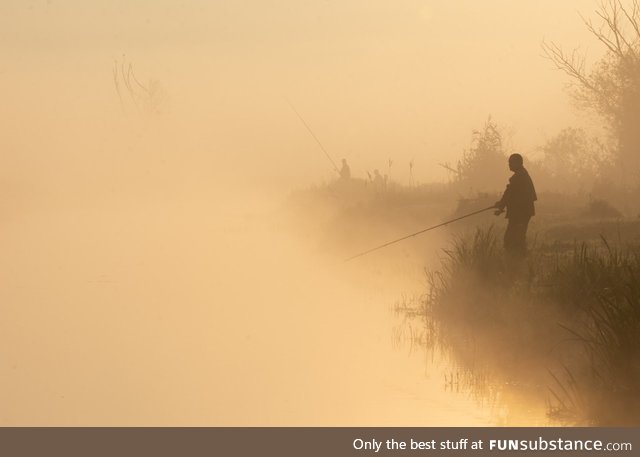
519 196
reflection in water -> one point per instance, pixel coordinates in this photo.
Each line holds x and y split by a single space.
507 402
135 314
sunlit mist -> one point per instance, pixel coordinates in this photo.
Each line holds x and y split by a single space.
172 228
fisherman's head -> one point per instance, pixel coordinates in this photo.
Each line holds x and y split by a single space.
376 172
515 162
344 161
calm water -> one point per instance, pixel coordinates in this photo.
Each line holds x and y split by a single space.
193 313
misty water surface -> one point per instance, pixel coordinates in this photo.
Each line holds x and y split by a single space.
205 312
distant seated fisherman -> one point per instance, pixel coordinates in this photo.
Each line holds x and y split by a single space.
518 199
345 171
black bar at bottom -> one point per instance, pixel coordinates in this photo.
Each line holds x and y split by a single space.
303 441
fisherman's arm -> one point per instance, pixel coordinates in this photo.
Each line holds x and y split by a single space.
500 204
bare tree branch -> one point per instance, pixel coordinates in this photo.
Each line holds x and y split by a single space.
117 84
599 34
448 167
633 18
144 98
571 65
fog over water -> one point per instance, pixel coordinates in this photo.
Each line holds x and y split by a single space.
169 315
150 276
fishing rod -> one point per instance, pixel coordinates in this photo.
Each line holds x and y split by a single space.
418 233
335 167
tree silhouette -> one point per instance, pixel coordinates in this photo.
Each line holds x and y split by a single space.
482 168
611 88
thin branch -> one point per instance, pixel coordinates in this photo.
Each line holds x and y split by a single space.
611 20
632 18
117 85
127 82
599 34
448 167
572 66
138 82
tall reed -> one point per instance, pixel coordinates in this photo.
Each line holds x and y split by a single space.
572 313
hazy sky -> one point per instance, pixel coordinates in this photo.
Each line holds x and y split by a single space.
375 80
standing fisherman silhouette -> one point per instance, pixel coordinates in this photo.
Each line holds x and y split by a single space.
518 199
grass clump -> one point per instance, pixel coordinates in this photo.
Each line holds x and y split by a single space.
560 321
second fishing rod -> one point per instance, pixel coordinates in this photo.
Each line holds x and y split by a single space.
335 167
